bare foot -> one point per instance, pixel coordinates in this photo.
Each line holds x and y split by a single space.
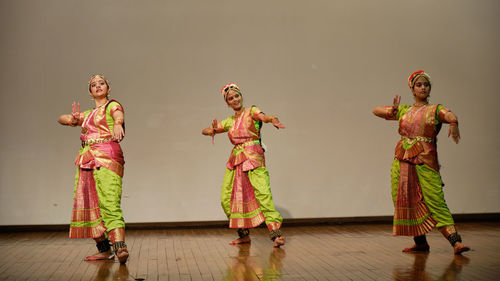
122 255
417 248
101 256
279 241
459 248
242 240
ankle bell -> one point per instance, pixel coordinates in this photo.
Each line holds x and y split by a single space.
243 232
275 233
103 246
454 238
119 245
420 240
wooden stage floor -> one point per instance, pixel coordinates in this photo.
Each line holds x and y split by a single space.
343 252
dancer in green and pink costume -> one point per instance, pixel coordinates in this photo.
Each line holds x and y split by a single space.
246 193
97 212
417 189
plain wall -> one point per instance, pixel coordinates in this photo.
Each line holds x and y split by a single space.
321 66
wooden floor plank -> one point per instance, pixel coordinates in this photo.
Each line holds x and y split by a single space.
343 252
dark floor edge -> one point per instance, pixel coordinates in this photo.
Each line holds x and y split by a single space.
480 217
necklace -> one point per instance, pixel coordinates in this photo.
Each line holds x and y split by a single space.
101 105
237 122
414 110
239 119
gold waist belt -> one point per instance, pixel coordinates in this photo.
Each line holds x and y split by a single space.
411 141
95 141
248 143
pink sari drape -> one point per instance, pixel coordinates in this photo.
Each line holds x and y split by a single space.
244 203
410 206
86 217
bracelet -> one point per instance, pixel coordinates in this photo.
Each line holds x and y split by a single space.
391 112
453 122
118 121
71 123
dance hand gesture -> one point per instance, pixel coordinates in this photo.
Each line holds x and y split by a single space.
213 130
276 123
395 105
75 114
454 132
214 127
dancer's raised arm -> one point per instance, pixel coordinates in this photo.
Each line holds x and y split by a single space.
270 119
73 119
214 129
388 112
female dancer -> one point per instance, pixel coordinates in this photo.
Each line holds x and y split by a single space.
98 184
246 194
417 190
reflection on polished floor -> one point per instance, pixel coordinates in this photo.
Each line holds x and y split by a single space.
343 252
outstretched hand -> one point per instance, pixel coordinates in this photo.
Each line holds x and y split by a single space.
454 132
276 123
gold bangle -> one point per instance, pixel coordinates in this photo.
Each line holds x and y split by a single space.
391 112
119 121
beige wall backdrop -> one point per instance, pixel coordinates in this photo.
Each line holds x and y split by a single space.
321 66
